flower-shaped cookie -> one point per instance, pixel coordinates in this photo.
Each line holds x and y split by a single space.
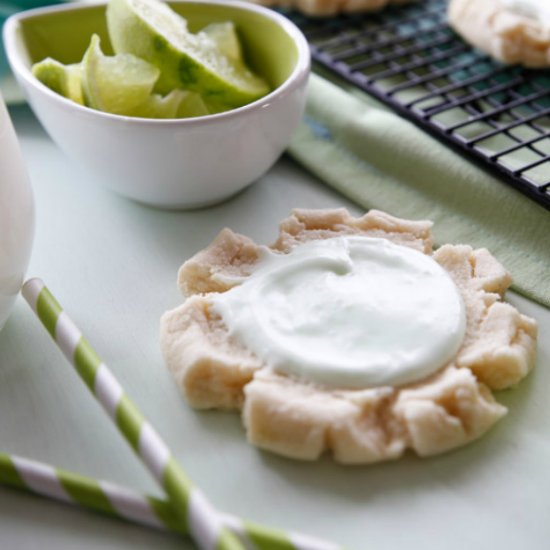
302 419
324 8
512 31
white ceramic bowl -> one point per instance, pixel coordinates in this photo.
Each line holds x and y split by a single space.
182 163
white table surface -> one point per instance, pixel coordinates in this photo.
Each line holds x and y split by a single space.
112 264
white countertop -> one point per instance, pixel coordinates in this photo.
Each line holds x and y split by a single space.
112 264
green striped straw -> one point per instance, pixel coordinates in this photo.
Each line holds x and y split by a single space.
190 505
122 503
99 496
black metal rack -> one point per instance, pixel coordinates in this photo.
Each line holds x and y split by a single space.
408 58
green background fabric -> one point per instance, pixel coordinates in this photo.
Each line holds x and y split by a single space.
380 160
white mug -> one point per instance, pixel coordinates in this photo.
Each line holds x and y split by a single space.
16 216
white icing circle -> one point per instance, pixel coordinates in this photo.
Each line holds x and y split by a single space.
349 311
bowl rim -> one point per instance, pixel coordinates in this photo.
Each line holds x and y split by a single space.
300 71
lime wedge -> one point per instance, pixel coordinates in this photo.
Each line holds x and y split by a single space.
177 104
225 36
150 30
157 106
65 80
192 105
116 84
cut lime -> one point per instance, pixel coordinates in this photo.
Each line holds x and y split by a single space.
150 30
116 84
157 106
65 80
192 105
177 104
225 36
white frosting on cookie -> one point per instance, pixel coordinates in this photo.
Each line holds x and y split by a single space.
538 10
350 311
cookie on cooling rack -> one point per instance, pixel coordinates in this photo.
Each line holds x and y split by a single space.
348 335
511 31
324 8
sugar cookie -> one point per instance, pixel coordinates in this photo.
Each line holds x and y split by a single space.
511 31
300 417
323 8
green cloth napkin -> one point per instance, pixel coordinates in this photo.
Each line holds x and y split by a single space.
380 160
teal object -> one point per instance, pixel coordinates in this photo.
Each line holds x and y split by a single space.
3 60
9 8
20 5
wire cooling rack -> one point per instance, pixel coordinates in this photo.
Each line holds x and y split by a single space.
409 58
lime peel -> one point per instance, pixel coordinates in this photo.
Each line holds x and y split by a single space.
65 80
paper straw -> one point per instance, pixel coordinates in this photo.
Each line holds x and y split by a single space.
122 503
99 496
189 503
